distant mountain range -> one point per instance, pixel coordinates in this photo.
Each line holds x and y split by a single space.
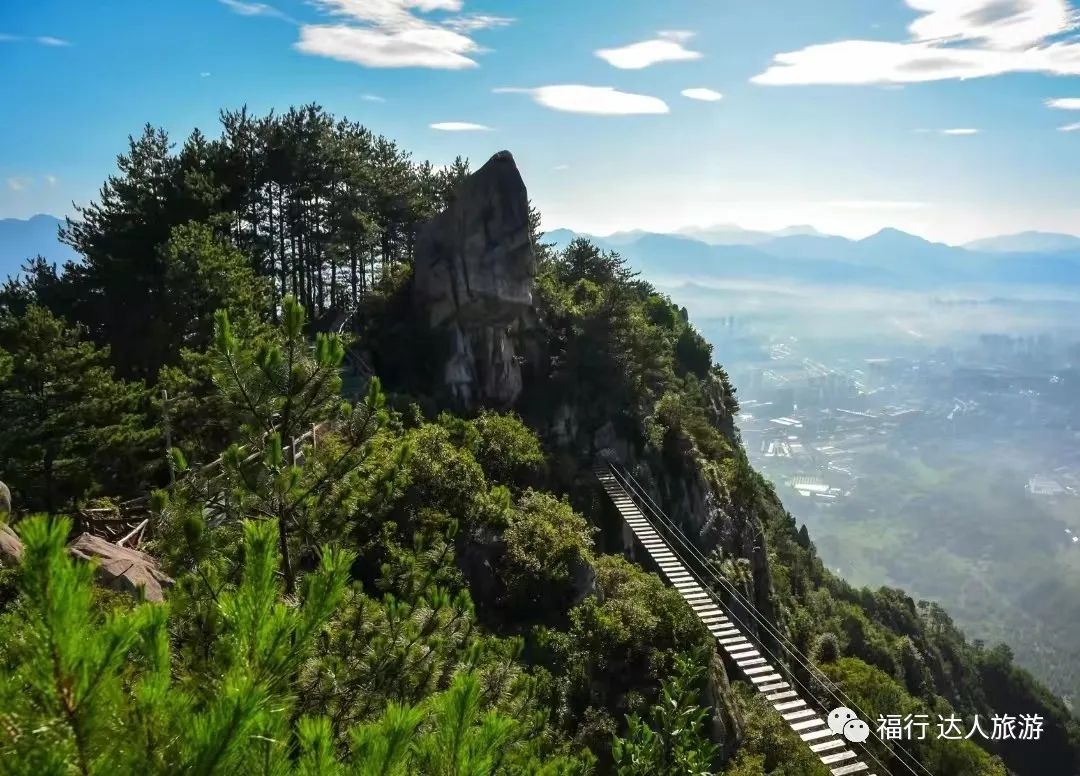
1028 242
801 253
23 239
890 257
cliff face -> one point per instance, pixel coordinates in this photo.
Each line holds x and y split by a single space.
474 274
474 286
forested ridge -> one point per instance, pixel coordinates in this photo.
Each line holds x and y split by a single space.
428 588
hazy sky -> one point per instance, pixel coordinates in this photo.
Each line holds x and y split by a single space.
953 119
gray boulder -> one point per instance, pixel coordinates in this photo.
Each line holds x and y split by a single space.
474 272
5 501
11 548
122 568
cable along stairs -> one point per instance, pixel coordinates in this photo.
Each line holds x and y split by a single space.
810 726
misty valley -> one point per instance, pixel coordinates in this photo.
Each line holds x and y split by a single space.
927 437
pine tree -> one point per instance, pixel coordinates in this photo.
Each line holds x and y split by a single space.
93 693
71 428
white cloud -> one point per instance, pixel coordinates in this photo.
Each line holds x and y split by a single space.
391 33
460 126
44 40
950 39
51 180
666 47
245 8
1070 128
1064 103
205 74
19 183
596 100
950 131
700 93
562 167
372 98
875 204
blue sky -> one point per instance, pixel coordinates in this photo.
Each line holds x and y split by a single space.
949 118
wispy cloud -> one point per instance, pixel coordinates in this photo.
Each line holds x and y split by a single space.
19 183
43 40
702 94
666 47
596 100
393 33
245 8
949 131
1064 103
950 39
51 181
372 98
205 74
460 126
876 204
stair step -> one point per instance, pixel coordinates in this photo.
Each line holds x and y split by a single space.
814 735
789 705
743 652
765 679
826 746
780 696
853 768
795 716
809 724
756 670
749 661
829 759
775 687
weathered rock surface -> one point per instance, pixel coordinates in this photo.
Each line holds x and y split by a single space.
122 568
725 723
11 548
5 500
474 272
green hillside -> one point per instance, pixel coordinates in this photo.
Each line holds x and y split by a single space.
432 583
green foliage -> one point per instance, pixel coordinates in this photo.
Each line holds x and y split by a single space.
619 647
826 649
548 555
204 273
622 353
674 742
71 428
769 744
506 449
76 676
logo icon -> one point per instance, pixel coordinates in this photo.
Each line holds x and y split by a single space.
843 722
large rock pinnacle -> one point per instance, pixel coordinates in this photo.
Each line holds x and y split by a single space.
475 267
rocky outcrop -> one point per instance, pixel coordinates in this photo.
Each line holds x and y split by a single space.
474 271
121 568
5 500
11 548
725 722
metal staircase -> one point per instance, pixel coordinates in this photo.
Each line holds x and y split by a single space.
810 726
